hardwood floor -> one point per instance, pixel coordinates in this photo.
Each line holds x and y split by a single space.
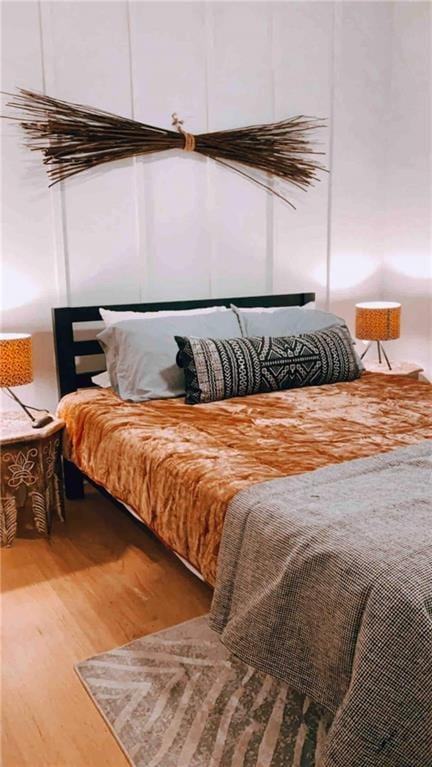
101 581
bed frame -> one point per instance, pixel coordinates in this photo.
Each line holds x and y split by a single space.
67 349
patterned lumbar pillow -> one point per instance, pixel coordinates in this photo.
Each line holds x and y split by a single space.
218 369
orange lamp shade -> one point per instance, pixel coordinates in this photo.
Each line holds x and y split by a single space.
15 359
378 320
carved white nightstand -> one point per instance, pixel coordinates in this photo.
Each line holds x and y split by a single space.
30 473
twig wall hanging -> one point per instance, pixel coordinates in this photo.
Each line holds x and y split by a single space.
74 138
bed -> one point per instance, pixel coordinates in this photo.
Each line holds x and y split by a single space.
178 467
329 482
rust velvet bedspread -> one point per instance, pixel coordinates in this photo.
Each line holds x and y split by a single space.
178 466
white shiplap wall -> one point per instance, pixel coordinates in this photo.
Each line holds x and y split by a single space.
407 270
177 226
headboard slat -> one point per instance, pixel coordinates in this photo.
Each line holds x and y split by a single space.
81 348
83 380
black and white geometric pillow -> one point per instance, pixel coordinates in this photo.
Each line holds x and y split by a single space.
217 369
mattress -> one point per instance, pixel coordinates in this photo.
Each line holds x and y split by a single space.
178 466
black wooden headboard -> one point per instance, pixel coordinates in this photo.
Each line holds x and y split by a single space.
68 349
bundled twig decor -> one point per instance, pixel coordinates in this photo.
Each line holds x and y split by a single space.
74 138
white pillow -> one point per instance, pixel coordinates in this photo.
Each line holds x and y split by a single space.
102 380
110 316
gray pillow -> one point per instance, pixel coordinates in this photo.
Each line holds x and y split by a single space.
284 321
287 321
141 354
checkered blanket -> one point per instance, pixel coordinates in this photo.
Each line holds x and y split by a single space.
325 581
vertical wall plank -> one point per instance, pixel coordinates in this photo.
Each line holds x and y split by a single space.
362 76
239 93
28 254
408 264
302 38
168 50
89 63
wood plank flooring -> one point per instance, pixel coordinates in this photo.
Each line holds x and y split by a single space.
101 581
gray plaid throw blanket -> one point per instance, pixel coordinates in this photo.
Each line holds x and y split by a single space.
325 581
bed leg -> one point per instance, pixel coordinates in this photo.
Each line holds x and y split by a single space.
74 481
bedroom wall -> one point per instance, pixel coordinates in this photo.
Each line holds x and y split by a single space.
407 268
180 227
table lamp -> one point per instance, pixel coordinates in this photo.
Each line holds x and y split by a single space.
16 369
378 321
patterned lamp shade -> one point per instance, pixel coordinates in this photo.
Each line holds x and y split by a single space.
15 359
378 320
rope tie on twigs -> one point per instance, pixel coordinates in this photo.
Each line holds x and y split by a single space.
190 141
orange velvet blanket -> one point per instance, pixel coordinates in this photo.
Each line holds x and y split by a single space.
178 466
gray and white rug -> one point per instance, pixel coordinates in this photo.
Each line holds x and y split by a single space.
178 699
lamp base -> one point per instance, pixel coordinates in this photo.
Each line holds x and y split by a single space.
381 350
42 421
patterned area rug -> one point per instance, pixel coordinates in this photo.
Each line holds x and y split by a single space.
178 699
